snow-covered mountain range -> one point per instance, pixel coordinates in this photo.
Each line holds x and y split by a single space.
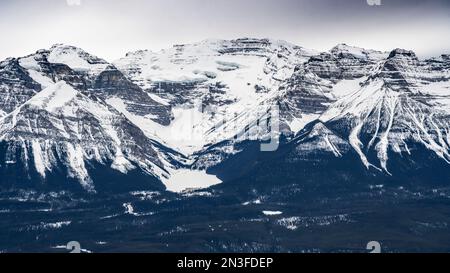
178 115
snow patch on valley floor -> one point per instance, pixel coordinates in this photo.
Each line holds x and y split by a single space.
182 180
272 213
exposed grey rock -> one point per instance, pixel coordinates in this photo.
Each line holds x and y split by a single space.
16 86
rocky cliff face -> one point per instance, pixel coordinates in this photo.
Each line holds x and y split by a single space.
395 111
56 117
199 106
62 128
16 86
377 105
91 74
219 79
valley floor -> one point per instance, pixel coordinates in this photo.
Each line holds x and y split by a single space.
286 220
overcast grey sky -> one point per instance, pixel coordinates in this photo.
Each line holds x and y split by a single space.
110 28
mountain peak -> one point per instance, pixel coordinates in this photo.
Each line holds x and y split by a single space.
445 57
358 52
344 46
139 52
7 61
74 57
399 53
62 45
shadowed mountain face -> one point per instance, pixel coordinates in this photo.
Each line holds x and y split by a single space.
359 131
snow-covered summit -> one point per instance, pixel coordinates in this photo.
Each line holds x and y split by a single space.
76 58
357 52
402 53
201 61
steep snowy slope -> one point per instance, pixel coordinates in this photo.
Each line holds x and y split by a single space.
384 106
209 83
112 86
16 86
63 62
300 99
309 90
61 126
173 114
91 74
213 59
22 78
38 77
77 59
323 79
397 110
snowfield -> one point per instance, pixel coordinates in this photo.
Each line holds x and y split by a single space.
174 114
183 180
